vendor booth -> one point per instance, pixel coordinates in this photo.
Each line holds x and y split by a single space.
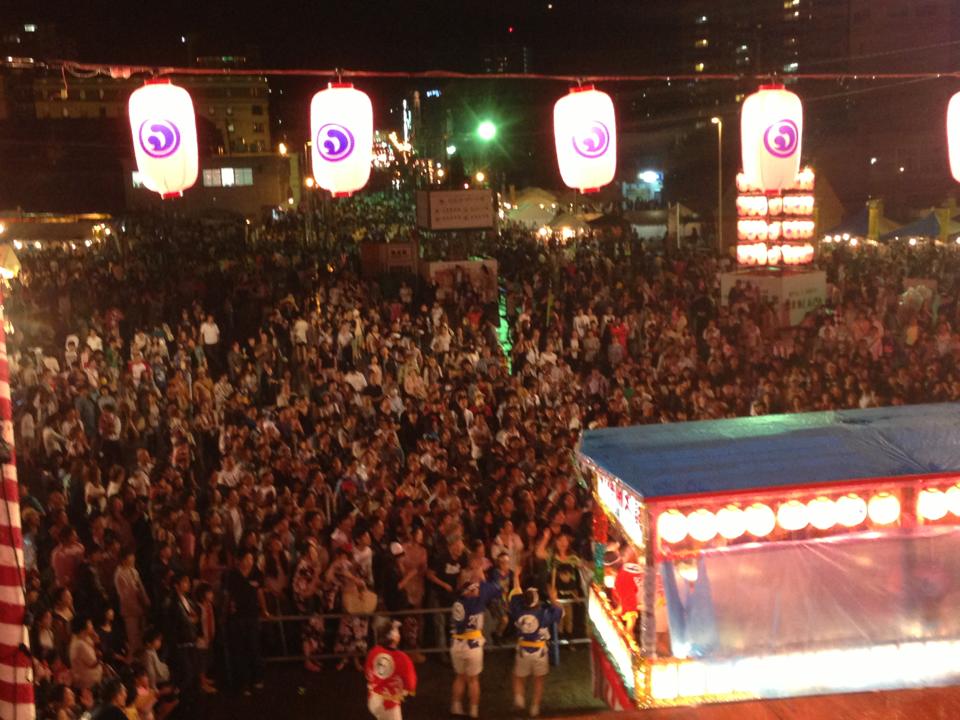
776 556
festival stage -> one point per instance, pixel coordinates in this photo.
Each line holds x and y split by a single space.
776 557
928 704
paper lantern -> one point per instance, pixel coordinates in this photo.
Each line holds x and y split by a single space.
672 526
771 131
883 509
851 510
760 520
953 135
953 499
702 525
585 132
932 504
792 516
731 522
164 130
341 132
823 513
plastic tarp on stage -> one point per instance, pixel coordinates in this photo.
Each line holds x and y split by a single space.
772 451
861 590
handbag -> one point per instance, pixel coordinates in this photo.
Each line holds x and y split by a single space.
359 602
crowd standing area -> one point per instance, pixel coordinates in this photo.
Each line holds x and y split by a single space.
219 424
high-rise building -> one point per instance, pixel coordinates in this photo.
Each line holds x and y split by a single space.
237 106
781 37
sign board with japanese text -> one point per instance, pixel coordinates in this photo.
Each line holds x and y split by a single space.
455 209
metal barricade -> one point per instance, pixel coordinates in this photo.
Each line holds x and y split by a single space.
281 621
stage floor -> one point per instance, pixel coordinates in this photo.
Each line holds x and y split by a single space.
927 704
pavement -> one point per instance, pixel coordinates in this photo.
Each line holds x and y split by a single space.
291 693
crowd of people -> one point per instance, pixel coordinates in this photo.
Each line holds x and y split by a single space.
217 427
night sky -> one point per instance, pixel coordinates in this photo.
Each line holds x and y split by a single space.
572 36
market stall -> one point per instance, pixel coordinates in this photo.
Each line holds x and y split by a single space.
776 556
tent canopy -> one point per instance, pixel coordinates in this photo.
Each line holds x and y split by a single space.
720 456
927 226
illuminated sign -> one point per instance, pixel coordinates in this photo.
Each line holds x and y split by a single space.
611 635
832 670
623 504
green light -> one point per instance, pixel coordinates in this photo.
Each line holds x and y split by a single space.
486 131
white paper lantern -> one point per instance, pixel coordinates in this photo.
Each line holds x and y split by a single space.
771 132
883 509
731 522
760 520
953 135
792 515
702 525
932 504
585 132
823 513
851 510
164 130
341 132
672 526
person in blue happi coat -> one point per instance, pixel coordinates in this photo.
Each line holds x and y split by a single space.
466 632
534 621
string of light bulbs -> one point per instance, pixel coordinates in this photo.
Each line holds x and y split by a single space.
79 69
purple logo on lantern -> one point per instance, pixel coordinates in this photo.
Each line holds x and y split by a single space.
334 142
782 138
159 138
593 142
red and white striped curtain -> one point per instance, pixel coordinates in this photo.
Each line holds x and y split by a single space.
16 668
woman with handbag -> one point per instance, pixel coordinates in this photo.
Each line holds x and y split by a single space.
358 604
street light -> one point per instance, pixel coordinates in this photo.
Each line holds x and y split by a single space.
282 147
480 176
486 131
719 123
309 182
451 150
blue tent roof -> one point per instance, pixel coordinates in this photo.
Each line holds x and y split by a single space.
718 456
857 225
928 226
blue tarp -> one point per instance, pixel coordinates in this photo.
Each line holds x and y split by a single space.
718 456
856 225
928 226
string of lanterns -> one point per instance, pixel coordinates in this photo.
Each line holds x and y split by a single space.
163 126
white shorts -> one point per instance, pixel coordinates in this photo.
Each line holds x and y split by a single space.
466 660
531 663
376 708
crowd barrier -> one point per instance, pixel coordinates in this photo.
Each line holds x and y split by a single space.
278 629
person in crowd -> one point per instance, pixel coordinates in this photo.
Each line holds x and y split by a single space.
86 668
246 605
474 595
133 600
533 621
233 397
113 701
391 676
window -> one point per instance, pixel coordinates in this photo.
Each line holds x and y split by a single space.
791 67
699 67
258 127
229 111
228 177
256 109
701 43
